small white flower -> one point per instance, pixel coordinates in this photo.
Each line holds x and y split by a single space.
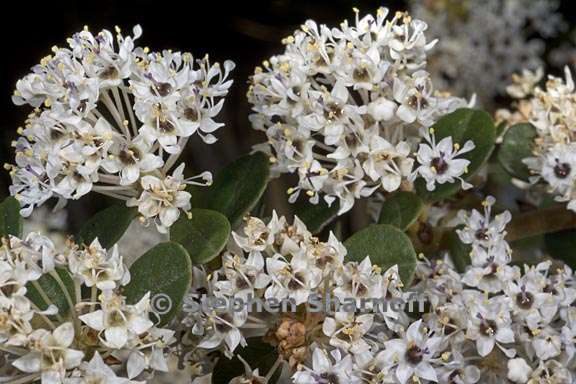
162 199
346 331
490 325
95 266
291 279
118 323
518 370
95 371
51 355
324 370
412 354
439 163
131 159
359 281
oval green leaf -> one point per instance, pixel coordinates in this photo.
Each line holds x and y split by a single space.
459 252
517 145
401 210
236 188
107 225
463 124
50 291
166 272
387 246
10 218
316 216
204 235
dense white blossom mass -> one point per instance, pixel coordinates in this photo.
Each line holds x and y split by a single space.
345 108
493 323
113 118
99 335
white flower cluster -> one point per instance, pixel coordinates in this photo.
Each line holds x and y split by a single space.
114 118
482 43
552 110
345 108
492 324
100 337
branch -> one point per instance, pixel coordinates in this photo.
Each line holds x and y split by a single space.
546 220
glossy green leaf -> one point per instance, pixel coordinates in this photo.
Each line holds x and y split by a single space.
236 188
517 145
387 246
52 290
257 354
204 235
464 124
459 252
10 219
107 225
401 209
166 272
316 216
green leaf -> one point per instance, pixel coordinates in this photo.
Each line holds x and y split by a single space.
387 246
107 225
500 128
51 289
464 124
10 219
517 145
316 216
236 188
204 236
562 246
459 252
166 272
401 210
257 354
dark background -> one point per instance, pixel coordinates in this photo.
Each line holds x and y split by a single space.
246 32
